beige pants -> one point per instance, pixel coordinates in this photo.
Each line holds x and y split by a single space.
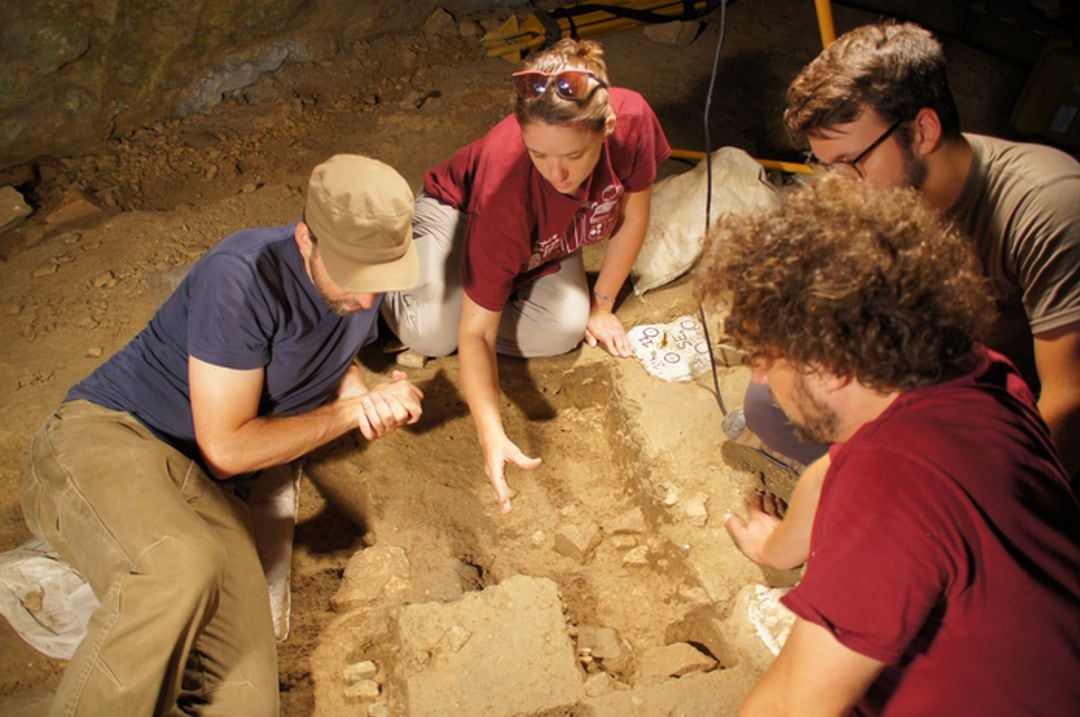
544 318
184 624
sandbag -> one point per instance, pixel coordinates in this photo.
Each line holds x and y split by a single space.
676 232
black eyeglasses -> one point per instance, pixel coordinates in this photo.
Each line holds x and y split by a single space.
850 167
575 85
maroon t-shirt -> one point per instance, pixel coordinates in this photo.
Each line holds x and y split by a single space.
519 226
945 544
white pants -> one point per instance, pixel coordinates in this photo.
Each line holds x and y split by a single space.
546 317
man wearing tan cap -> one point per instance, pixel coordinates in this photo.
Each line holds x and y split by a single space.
248 365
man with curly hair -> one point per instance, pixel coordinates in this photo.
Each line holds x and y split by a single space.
941 575
876 105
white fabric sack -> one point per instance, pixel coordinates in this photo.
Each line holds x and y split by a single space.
676 232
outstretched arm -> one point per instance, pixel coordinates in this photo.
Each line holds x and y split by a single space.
814 674
776 535
619 257
480 383
234 439
1057 359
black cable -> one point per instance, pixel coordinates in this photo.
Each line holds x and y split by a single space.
708 195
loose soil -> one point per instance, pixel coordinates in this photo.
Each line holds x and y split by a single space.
612 437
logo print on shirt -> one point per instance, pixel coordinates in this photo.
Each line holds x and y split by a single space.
592 222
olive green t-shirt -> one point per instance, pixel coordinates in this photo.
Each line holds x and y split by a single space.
1021 207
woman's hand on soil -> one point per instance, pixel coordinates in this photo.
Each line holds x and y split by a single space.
604 327
496 457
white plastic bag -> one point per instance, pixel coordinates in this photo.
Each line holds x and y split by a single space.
46 601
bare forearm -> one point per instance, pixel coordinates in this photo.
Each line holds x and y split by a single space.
789 545
1062 417
480 384
263 441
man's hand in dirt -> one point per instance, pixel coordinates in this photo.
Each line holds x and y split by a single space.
604 327
752 537
388 406
497 455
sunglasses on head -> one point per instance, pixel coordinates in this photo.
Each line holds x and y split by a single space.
576 85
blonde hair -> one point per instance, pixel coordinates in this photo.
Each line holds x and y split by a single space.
594 113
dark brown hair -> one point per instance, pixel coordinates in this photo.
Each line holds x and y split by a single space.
594 114
865 283
894 69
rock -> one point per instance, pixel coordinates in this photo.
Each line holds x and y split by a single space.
695 510
440 22
674 660
599 684
13 208
44 271
468 28
606 645
358 671
362 691
632 522
379 709
373 575
94 352
76 210
520 620
411 359
757 627
105 280
637 556
576 540
673 33
718 692
623 541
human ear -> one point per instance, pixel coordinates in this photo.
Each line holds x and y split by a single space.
302 235
926 132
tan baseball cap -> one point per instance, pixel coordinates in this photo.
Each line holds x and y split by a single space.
360 211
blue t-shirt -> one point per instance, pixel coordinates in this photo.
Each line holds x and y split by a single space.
248 303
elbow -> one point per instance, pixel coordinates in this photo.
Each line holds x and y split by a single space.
219 461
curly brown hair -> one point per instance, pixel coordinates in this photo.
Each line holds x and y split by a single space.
594 114
896 69
865 283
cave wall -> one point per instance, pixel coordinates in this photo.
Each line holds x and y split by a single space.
76 72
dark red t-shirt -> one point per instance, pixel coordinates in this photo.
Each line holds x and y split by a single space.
945 544
519 226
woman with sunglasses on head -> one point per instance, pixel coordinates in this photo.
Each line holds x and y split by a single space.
499 228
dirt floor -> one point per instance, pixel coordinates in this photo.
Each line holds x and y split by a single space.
614 439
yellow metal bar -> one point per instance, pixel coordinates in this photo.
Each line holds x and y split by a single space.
790 167
825 22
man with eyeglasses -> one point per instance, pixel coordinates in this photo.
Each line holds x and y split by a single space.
247 366
876 106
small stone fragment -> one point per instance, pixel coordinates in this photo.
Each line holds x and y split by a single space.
637 556
576 540
13 208
674 660
599 684
358 671
440 22
695 510
106 280
362 691
469 28
379 709
632 522
411 359
94 352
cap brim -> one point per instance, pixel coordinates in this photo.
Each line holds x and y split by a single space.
397 275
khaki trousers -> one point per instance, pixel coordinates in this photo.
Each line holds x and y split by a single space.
184 625
544 318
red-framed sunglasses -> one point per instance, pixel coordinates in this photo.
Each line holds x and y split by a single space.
576 85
